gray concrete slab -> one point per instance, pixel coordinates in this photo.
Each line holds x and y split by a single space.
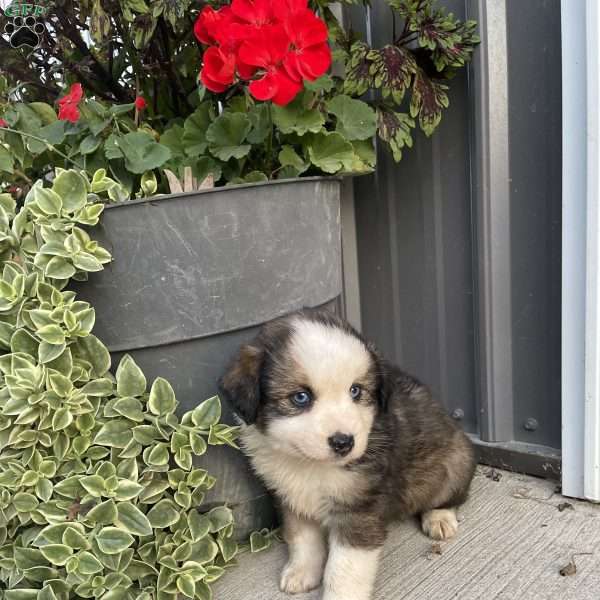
512 543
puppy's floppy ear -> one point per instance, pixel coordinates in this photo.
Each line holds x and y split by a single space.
240 385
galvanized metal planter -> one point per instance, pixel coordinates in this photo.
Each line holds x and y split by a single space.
195 274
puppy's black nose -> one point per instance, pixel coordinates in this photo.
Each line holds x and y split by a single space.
341 443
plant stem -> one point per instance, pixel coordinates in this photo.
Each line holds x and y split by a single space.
270 144
45 142
402 40
22 176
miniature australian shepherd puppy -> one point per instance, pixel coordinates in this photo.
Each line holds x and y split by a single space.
348 444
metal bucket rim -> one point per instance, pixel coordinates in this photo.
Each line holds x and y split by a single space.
241 186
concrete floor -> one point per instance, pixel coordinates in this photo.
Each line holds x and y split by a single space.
513 541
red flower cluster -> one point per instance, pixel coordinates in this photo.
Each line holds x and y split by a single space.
140 103
68 110
3 123
274 44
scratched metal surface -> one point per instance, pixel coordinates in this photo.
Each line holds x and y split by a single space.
189 266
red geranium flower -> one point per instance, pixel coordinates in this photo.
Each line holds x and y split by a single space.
221 28
211 25
3 123
68 110
281 40
309 56
218 71
254 12
140 103
267 51
286 9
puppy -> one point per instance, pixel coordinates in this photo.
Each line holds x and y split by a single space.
348 444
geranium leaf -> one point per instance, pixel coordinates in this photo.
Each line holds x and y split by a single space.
7 161
355 119
194 140
330 152
89 144
141 152
226 135
173 139
297 118
260 118
324 83
289 157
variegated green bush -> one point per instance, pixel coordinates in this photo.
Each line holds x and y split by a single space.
98 486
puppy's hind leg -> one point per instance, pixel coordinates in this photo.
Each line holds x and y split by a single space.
439 523
307 553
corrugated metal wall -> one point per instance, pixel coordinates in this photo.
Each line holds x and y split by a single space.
459 244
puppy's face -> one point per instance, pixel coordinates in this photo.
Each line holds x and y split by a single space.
310 385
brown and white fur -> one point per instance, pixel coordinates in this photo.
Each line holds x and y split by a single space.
368 447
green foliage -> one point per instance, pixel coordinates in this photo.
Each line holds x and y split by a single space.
432 45
117 49
98 486
194 140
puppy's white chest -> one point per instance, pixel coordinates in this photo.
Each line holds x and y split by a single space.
309 488
311 492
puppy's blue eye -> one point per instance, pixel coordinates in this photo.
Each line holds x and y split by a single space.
301 398
355 392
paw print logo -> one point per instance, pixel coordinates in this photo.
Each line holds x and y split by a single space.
24 31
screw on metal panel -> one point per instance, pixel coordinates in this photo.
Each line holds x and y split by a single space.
530 424
458 414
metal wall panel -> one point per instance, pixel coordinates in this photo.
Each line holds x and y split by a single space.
414 242
535 121
422 241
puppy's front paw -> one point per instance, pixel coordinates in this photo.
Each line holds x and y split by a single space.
439 524
297 578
